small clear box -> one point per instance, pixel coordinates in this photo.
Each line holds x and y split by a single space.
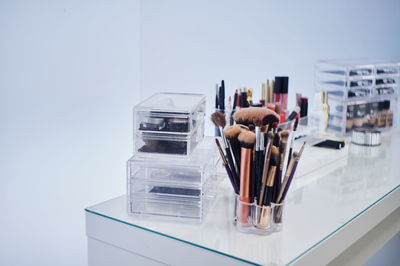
173 113
173 188
169 124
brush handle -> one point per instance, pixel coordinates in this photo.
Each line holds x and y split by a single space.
234 185
290 155
252 178
244 191
286 189
277 185
232 165
259 172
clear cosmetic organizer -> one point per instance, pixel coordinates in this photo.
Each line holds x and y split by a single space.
168 124
361 93
175 189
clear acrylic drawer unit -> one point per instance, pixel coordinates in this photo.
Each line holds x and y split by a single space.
170 124
361 93
174 188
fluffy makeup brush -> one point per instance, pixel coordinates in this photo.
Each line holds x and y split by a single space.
231 134
219 121
246 140
248 116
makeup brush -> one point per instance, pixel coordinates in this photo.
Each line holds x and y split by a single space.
228 170
296 122
249 115
265 168
282 150
290 174
267 197
219 121
246 140
249 97
231 134
229 111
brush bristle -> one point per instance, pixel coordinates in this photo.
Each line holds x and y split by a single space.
218 119
247 139
232 132
284 135
257 116
274 156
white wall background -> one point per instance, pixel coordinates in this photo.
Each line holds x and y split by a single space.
191 45
69 76
68 81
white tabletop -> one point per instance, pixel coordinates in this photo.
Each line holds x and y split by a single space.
319 204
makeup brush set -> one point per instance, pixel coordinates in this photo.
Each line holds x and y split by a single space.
259 160
172 174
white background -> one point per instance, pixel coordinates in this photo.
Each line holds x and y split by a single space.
71 71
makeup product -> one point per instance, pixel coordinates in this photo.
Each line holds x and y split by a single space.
228 170
325 109
303 107
249 97
294 113
152 124
239 100
217 96
360 111
221 97
243 98
229 111
298 99
281 91
373 114
366 137
330 143
263 92
350 117
235 99
246 140
381 114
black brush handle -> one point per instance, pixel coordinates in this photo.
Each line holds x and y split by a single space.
229 172
232 166
268 196
259 170
277 185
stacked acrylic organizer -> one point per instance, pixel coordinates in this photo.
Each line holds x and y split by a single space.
172 173
361 93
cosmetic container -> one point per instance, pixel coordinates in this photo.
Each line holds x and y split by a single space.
170 124
361 93
174 189
254 219
281 91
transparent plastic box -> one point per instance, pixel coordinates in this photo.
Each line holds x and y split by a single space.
174 113
361 93
169 124
150 144
172 188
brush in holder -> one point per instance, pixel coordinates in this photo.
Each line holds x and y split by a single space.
277 210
